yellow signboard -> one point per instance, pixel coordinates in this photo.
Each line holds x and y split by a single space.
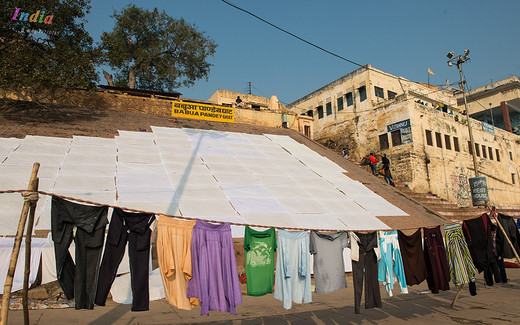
203 112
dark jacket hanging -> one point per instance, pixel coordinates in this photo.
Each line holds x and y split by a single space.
78 281
478 234
436 261
503 247
133 228
413 257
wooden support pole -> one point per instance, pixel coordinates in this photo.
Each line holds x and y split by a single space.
28 240
457 295
16 248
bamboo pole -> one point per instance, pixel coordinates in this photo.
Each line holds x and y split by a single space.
457 295
28 239
16 249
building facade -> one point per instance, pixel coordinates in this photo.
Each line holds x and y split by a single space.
421 129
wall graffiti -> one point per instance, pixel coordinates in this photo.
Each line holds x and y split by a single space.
461 188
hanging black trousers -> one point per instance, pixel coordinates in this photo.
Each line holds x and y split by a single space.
366 267
133 228
79 280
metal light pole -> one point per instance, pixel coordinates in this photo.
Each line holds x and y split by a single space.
458 61
478 185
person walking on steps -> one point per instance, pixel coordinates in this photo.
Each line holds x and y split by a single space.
386 168
373 163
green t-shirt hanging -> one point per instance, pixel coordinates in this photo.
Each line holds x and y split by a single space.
259 248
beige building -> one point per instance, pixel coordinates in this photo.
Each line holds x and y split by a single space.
262 110
421 130
497 104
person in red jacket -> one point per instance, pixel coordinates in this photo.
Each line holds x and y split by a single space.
373 163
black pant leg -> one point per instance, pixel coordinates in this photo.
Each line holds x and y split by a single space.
372 292
112 256
88 255
496 271
139 254
357 278
64 262
503 274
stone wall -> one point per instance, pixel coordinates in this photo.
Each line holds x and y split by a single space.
149 105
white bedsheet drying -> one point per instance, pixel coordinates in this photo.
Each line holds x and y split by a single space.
6 249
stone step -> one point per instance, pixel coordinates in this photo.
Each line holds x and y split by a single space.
434 202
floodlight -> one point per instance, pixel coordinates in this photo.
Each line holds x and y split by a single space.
466 51
450 63
450 55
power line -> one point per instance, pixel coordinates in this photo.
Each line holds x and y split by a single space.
310 43
291 34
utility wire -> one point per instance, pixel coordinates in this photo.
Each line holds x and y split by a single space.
310 43
293 35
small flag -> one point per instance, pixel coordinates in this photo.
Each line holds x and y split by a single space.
430 72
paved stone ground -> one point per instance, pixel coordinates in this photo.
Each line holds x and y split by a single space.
493 305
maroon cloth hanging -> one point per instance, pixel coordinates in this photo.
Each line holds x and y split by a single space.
436 261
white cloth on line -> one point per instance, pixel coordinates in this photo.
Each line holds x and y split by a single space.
122 289
6 249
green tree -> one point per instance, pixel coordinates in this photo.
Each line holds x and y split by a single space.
37 54
154 51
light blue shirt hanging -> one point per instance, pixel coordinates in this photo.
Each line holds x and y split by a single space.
293 268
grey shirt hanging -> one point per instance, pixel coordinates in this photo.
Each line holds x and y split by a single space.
329 266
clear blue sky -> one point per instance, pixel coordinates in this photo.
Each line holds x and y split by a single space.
403 38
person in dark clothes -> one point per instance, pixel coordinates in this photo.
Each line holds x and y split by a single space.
386 168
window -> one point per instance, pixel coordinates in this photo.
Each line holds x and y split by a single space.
307 130
470 149
513 180
490 150
447 142
379 92
429 140
396 138
320 111
391 94
438 139
310 112
497 154
456 144
484 152
510 155
350 99
383 141
362 93
477 149
340 103
329 108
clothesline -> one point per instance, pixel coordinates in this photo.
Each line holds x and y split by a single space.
218 221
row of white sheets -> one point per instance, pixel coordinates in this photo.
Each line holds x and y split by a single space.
268 180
